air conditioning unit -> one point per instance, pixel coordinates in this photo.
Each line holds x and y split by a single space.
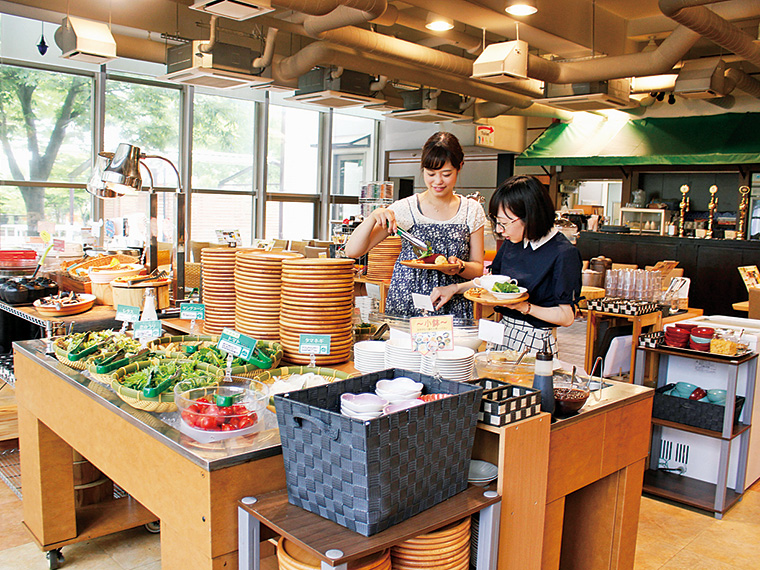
701 79
502 62
225 67
591 96
429 106
233 9
321 86
85 40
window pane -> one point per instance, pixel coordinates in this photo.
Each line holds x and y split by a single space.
222 143
352 153
146 116
289 220
53 143
211 212
293 151
340 212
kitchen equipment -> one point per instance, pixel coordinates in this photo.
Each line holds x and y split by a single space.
421 248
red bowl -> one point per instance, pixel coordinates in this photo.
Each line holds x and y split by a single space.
676 343
678 337
703 347
704 332
687 326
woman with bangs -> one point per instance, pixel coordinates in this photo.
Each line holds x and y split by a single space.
450 223
538 256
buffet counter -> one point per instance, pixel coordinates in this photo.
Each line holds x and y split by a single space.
570 489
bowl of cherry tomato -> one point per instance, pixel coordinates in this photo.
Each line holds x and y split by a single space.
213 413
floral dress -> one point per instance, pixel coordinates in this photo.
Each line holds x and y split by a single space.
446 238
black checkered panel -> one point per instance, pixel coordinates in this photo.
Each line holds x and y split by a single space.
368 476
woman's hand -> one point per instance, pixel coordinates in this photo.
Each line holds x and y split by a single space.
385 218
441 295
456 269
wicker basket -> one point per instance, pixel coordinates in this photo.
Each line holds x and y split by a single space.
106 378
330 374
164 402
248 371
63 357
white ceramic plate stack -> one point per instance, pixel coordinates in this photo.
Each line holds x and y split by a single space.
398 390
258 282
369 356
482 473
382 258
362 406
317 298
399 354
454 364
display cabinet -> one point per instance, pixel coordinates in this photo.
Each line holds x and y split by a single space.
645 220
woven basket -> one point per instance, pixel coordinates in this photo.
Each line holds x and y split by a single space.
108 377
268 376
98 261
63 357
248 371
164 402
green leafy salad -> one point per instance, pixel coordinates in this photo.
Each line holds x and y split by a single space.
505 287
154 375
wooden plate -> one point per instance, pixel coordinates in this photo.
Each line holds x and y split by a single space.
412 263
488 300
84 304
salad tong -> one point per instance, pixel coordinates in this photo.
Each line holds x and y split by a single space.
421 248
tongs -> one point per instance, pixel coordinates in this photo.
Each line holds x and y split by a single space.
110 363
421 248
152 392
74 356
153 275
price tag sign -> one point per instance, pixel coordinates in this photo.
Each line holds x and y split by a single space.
192 311
127 313
491 331
314 344
432 334
422 302
147 330
236 344
59 245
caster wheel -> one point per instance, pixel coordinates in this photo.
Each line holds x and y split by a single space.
56 559
153 527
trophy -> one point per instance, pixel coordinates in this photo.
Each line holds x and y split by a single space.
684 208
743 207
712 207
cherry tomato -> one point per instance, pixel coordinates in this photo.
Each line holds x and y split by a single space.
191 417
203 404
208 423
245 422
228 427
240 410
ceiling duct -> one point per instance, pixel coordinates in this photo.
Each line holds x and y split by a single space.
429 106
85 40
701 79
233 9
502 62
591 96
225 66
335 87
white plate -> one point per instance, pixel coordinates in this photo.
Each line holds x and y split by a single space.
370 346
481 470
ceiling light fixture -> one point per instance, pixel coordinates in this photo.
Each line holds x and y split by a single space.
521 7
438 23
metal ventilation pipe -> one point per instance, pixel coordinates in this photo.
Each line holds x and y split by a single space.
736 78
324 7
693 15
341 17
266 58
326 53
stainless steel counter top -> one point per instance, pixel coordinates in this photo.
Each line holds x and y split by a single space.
210 456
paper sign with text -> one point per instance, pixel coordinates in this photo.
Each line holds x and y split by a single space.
192 311
147 330
59 245
491 331
314 344
432 334
236 344
422 302
127 313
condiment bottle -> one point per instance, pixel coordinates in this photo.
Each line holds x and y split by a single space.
543 379
149 307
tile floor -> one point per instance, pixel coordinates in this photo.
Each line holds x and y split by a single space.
670 537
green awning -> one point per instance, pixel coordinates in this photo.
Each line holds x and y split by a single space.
592 140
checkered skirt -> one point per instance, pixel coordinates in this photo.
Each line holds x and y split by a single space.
519 334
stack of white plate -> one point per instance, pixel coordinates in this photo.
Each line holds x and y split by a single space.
369 356
454 364
482 473
399 354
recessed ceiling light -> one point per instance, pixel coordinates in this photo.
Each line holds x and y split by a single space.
521 7
438 23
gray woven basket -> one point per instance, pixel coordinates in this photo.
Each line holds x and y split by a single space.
370 475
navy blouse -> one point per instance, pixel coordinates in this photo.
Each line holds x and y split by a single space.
551 273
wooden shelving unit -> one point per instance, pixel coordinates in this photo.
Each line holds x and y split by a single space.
719 497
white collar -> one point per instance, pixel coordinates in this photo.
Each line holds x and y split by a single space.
535 244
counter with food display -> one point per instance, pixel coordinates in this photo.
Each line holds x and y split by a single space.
571 490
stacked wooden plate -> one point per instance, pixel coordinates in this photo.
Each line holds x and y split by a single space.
292 557
257 292
445 549
317 298
383 257
217 273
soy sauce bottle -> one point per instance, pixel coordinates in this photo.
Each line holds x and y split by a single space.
543 379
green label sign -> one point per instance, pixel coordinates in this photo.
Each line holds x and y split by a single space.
127 313
192 311
237 344
314 344
147 330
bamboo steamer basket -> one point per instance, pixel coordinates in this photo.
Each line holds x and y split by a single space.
134 295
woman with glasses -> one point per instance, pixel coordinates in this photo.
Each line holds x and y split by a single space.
538 256
449 222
